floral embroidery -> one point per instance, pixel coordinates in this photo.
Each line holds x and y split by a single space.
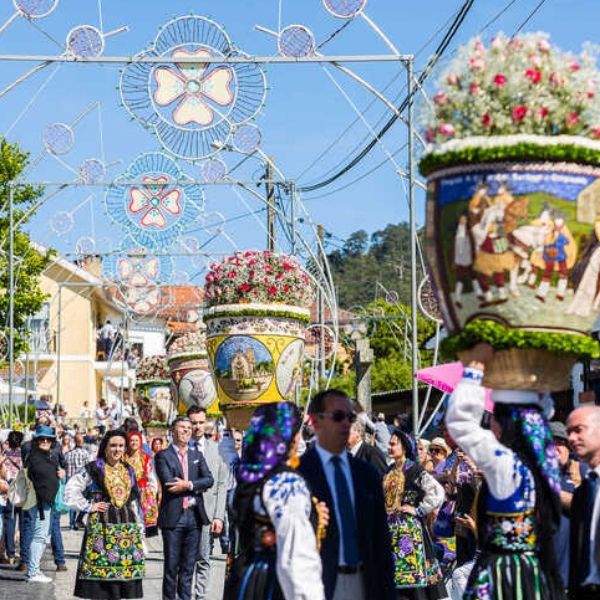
512 532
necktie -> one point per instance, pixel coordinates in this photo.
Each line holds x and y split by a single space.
592 488
348 521
184 467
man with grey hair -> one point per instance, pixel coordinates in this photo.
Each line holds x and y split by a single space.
360 449
583 429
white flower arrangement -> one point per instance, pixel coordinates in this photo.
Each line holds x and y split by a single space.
191 344
520 85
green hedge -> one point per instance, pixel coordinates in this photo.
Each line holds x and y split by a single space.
257 312
523 151
503 338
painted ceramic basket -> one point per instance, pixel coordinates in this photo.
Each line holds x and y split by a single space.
256 353
192 382
516 241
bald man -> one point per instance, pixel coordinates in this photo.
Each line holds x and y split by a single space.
583 428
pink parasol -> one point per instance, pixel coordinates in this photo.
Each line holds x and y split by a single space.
446 377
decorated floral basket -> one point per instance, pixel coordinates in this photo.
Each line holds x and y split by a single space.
257 315
151 382
513 206
191 378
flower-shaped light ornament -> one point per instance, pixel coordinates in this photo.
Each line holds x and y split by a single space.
138 270
192 105
160 203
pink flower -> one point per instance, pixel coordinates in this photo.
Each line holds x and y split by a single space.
571 119
440 98
430 134
452 79
231 275
543 45
446 129
533 75
541 112
272 290
497 43
519 113
574 66
556 79
515 45
244 287
535 60
596 132
487 121
477 63
479 48
474 88
500 80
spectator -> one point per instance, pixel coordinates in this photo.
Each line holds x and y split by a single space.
157 445
102 416
360 449
424 457
85 412
439 451
382 433
75 460
13 465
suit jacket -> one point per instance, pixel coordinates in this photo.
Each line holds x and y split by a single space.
372 455
373 532
168 467
215 498
580 538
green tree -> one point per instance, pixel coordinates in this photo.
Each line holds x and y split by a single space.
28 262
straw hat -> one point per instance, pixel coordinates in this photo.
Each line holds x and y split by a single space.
440 442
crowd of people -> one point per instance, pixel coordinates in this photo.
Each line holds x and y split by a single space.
332 505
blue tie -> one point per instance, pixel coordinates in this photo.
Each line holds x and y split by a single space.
348 524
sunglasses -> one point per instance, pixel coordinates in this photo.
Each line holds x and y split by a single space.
45 439
339 415
437 451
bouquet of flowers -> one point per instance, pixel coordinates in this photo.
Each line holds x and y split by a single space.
191 344
258 277
152 369
520 85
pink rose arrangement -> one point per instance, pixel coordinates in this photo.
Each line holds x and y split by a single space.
152 369
258 276
521 85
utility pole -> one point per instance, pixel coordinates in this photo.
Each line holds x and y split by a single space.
363 361
271 235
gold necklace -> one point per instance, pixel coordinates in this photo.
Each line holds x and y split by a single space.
393 486
118 483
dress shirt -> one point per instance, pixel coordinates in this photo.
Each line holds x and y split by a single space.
594 574
356 448
199 444
188 501
329 469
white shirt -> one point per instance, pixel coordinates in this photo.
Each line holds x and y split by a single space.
356 448
594 575
329 469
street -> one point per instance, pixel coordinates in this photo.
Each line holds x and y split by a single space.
13 585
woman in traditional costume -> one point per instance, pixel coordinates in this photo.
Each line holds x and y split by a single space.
518 504
146 480
410 494
111 562
277 557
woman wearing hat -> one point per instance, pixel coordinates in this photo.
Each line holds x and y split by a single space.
439 451
278 557
111 561
410 494
518 506
44 473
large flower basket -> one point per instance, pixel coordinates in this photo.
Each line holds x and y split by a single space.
256 318
191 378
256 353
513 209
152 388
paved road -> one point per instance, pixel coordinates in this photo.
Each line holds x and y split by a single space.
14 587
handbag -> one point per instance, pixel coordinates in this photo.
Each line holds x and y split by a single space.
21 492
59 503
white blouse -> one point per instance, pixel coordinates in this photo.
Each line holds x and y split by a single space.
288 504
463 420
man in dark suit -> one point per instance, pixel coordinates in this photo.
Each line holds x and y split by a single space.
360 449
356 552
184 476
583 427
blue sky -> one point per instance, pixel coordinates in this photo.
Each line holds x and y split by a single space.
309 126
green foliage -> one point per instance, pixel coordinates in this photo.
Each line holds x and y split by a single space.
256 312
29 264
360 264
523 151
503 338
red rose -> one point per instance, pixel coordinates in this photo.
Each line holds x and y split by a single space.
596 132
519 113
231 275
272 290
244 287
542 112
533 75
500 79
487 121
571 119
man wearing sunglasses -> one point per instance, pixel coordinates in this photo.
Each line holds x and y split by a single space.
356 552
